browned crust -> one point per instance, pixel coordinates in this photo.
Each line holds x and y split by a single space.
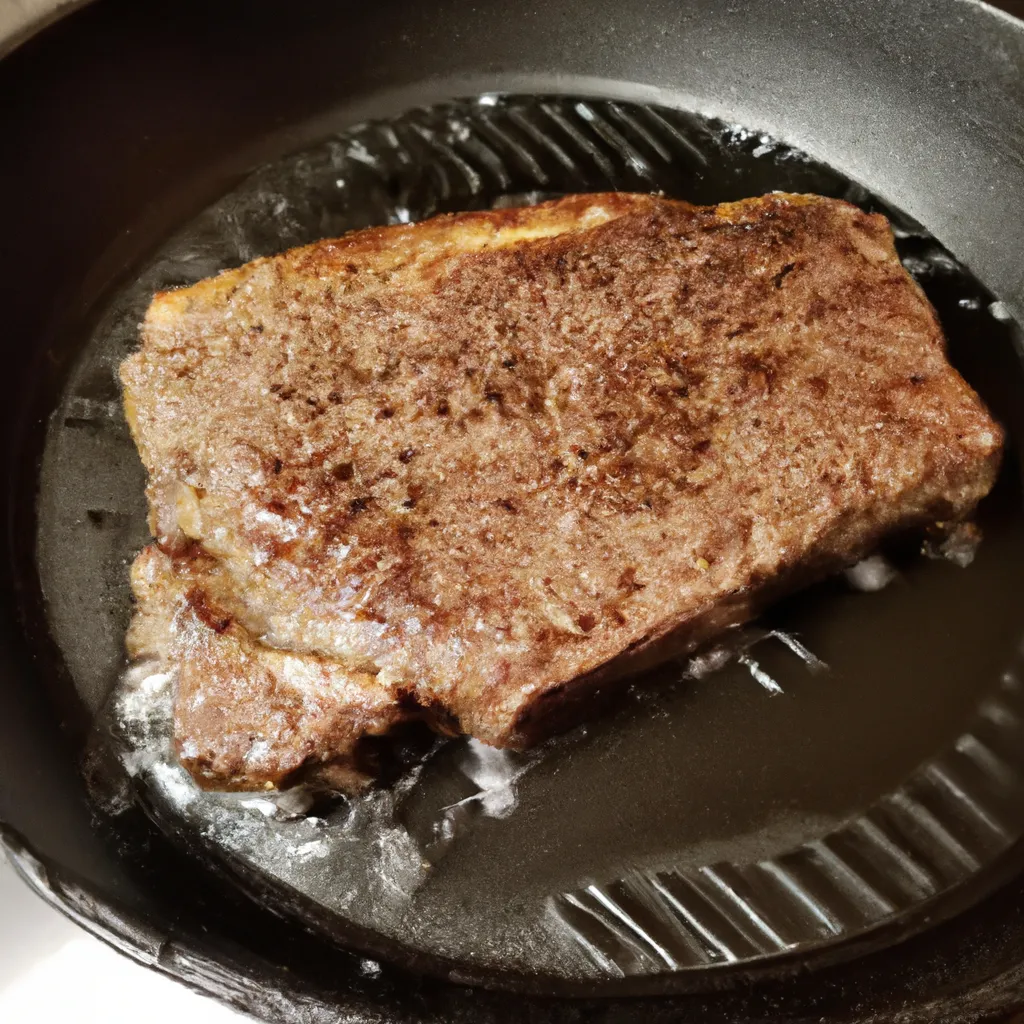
495 460
247 716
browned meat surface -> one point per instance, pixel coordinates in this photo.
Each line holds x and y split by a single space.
475 468
247 713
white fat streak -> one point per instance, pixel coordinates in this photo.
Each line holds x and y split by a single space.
495 773
870 574
759 674
1001 311
704 664
812 661
266 807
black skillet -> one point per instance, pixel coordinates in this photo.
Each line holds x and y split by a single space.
122 124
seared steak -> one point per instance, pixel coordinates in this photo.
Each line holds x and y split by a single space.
475 468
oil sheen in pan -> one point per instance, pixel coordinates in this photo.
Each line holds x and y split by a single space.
764 809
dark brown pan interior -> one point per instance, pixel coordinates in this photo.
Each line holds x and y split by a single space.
125 125
711 824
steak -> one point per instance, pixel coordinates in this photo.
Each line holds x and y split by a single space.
478 469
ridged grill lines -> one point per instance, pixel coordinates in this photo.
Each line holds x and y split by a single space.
967 801
948 821
860 890
522 154
745 907
822 914
940 833
580 140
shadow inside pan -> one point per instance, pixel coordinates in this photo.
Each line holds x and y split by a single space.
710 824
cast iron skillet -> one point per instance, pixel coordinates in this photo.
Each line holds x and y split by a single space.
120 123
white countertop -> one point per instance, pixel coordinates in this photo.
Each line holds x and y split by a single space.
51 970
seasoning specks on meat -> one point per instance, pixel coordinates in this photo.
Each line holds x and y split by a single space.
473 469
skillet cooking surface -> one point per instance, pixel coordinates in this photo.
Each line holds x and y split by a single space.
708 825
121 123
